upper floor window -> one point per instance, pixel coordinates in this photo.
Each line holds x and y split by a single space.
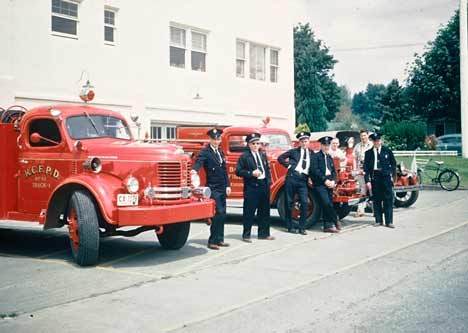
109 25
187 46
163 131
274 65
177 47
65 17
257 61
240 59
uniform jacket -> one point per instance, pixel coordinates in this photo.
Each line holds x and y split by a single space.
317 169
216 173
387 163
246 165
291 158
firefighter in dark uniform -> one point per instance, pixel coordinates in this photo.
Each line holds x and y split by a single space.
253 167
323 175
212 159
379 170
297 161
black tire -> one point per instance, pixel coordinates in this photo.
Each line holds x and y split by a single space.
342 210
174 236
86 251
449 180
405 199
311 220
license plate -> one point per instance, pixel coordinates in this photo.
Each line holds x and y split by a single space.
127 199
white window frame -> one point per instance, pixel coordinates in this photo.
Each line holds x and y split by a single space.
275 66
68 17
268 64
164 129
108 25
243 60
188 47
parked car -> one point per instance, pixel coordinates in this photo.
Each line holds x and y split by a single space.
449 142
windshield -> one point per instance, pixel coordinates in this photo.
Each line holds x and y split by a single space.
97 126
276 141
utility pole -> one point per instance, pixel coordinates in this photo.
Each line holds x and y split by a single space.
464 76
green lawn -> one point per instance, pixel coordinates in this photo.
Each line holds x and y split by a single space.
459 163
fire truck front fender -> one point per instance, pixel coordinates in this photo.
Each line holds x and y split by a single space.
102 188
276 188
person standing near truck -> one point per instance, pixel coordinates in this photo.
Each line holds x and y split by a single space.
323 175
379 170
297 161
359 152
253 167
212 159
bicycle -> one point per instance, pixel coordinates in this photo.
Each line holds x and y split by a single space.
447 178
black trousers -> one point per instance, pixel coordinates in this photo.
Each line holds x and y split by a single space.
256 199
324 196
382 195
296 184
217 222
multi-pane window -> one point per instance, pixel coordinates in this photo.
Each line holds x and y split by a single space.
198 51
109 25
65 17
188 46
257 61
274 65
162 131
240 59
177 47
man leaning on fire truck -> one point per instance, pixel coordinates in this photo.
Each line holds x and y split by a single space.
297 161
212 159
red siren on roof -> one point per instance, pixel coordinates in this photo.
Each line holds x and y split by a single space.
87 92
266 121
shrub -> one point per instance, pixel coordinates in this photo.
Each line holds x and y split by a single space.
404 135
302 128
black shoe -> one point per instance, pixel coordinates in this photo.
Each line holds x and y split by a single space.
390 226
302 232
378 223
292 230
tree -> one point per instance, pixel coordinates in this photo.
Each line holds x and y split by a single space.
368 104
433 84
395 103
317 96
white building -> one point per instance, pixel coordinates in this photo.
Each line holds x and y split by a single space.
169 62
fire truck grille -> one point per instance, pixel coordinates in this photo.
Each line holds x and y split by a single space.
174 174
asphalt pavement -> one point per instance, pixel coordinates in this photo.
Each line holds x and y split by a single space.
365 279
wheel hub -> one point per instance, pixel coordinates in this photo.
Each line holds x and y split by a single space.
73 229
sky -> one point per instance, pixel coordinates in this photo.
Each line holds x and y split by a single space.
375 40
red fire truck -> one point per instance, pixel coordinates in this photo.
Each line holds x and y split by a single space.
78 166
192 139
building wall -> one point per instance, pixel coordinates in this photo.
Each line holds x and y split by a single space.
134 76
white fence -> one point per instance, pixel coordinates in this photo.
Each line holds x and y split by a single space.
425 153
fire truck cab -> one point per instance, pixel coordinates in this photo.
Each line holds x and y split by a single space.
79 166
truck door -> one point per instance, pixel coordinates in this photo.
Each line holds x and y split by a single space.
42 163
234 146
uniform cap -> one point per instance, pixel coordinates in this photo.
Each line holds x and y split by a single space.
326 140
214 133
252 137
375 136
302 135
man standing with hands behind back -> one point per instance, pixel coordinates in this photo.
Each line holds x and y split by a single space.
323 174
211 158
297 161
379 168
253 167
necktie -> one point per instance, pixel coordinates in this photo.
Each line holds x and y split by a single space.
378 159
259 164
327 170
220 160
304 161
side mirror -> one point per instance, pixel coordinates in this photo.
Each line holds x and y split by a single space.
35 138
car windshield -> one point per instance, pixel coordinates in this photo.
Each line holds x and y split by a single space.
277 140
97 126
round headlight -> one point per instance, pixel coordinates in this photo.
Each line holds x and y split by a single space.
132 185
195 180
